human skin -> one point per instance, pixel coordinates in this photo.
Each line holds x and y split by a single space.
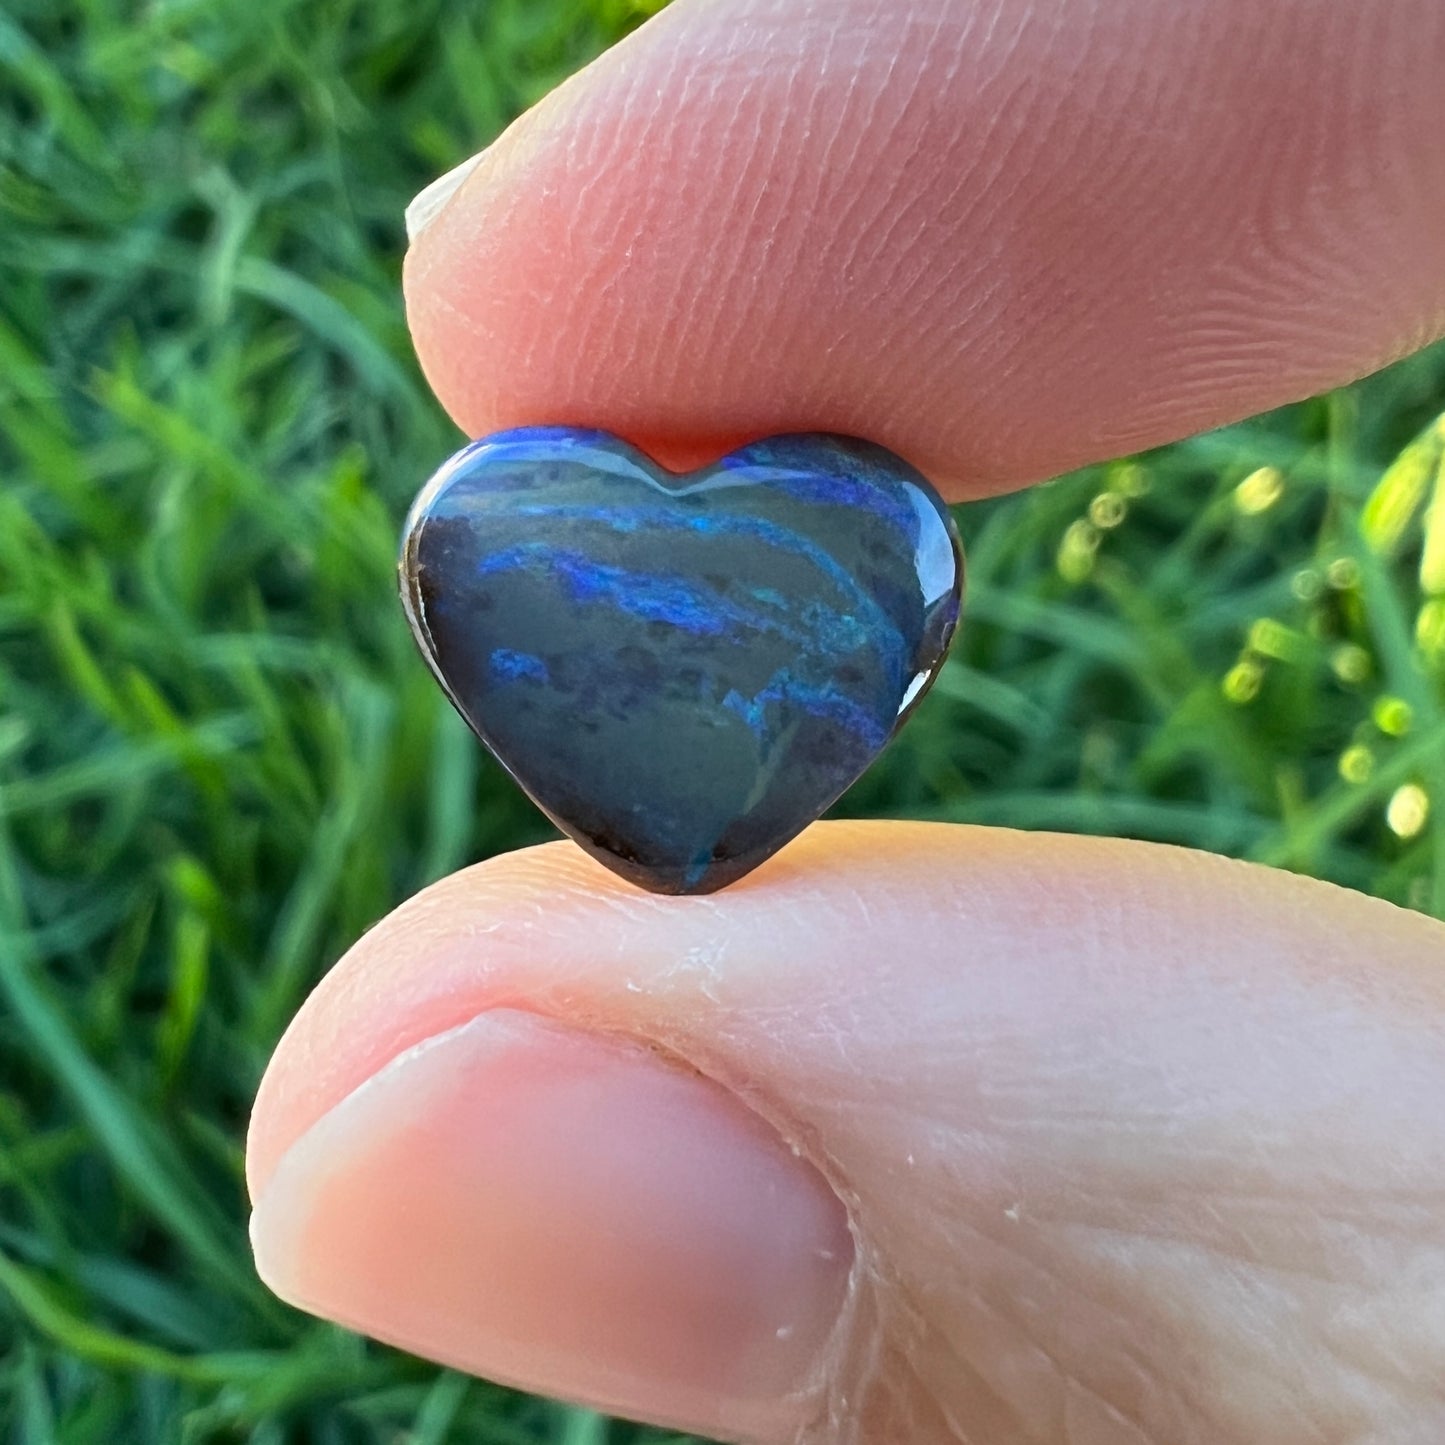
918 1133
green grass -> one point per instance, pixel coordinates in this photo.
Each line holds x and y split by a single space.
220 759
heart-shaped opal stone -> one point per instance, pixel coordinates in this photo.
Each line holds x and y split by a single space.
681 671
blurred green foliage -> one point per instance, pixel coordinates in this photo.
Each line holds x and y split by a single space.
220 760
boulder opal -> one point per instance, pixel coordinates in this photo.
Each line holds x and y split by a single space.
681 671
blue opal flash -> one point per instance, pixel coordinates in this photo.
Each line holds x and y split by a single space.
681 671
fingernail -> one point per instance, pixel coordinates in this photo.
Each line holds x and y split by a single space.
573 1215
432 200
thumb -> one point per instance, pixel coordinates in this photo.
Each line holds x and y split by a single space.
1001 237
919 1133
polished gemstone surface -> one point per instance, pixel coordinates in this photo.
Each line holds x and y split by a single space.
681 671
